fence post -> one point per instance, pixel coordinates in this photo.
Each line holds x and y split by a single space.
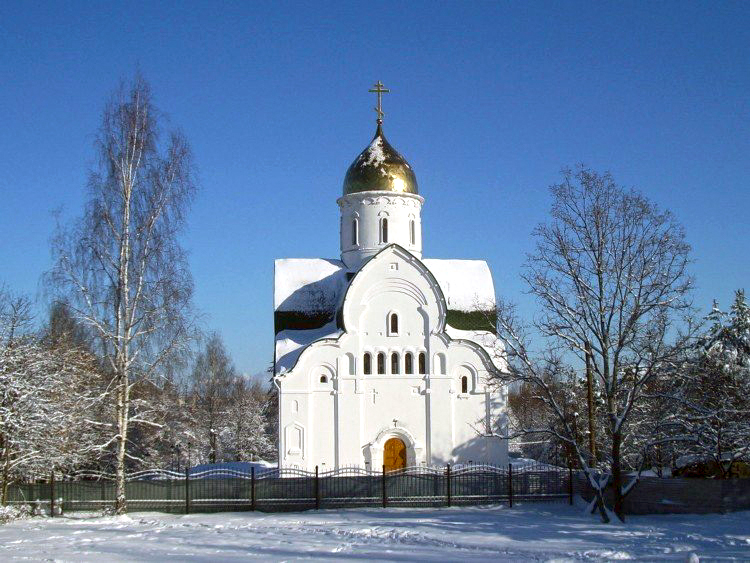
570 485
252 488
52 494
187 490
385 494
448 483
317 489
510 484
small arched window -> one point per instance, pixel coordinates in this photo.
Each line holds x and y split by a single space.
393 324
381 363
464 384
422 363
409 363
412 232
384 230
394 363
324 379
355 232
367 363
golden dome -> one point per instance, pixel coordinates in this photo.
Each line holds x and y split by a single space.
380 167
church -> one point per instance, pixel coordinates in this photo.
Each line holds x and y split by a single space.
383 358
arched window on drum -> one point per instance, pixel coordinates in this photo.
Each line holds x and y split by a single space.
355 232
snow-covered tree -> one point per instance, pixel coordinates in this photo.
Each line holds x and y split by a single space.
711 415
211 383
246 435
46 396
229 414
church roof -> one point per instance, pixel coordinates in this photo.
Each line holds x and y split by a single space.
308 293
380 167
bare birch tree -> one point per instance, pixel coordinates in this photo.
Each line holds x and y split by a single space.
120 267
610 274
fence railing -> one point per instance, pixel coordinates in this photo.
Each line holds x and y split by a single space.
274 490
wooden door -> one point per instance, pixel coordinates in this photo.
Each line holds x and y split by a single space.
394 454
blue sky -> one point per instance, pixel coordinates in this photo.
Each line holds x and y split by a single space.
489 101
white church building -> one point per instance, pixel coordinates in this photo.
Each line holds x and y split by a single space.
384 358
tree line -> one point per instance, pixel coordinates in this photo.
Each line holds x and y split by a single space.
58 411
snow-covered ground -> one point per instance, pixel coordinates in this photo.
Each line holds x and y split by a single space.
527 532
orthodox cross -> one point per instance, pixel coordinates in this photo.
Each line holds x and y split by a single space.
373 395
379 90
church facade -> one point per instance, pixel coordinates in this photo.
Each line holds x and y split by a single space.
383 358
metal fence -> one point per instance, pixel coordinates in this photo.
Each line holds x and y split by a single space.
275 490
676 495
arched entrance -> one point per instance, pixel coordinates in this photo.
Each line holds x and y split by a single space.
394 454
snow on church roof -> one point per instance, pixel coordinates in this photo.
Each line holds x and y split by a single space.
308 292
308 284
290 343
466 284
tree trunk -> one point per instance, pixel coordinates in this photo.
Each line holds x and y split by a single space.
123 314
590 400
6 477
212 446
123 405
617 475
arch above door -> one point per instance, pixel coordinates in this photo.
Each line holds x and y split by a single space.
374 452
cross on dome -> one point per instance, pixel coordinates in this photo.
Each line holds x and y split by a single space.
379 90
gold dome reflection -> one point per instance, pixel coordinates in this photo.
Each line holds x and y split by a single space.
398 185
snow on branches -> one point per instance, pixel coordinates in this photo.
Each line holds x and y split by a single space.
46 396
711 403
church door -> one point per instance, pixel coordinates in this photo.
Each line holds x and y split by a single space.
394 454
